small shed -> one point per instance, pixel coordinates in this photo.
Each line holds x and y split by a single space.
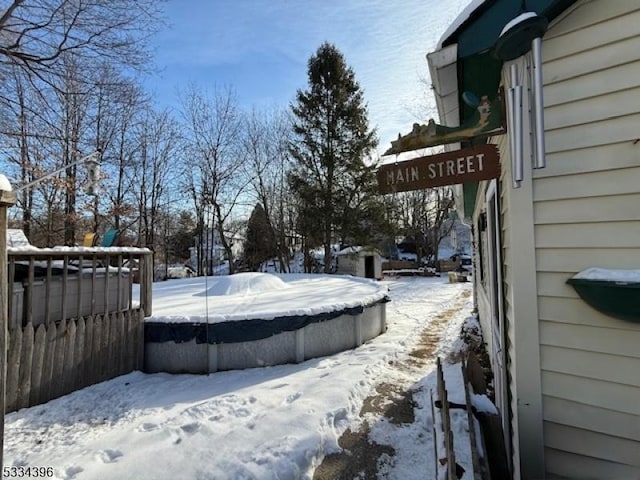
359 262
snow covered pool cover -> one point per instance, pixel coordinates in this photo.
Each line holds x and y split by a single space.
253 306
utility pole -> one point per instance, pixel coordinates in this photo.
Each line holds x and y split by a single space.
7 199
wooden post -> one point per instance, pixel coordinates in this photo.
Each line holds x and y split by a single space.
147 287
7 199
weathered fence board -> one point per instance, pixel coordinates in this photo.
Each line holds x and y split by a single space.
96 352
47 370
56 359
39 345
110 369
78 359
54 345
446 435
131 334
116 342
26 358
104 350
13 369
69 359
89 328
140 339
121 350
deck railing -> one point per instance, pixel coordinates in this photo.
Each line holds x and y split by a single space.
76 318
49 285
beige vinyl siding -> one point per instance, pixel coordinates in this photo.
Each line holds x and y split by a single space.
617 78
598 419
575 260
620 450
582 362
587 214
592 339
575 311
606 208
578 466
618 234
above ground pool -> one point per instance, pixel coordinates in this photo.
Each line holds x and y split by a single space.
246 320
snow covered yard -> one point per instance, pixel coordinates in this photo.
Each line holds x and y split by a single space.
267 423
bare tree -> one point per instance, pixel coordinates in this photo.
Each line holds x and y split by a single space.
121 111
36 35
423 216
53 99
265 146
213 167
159 135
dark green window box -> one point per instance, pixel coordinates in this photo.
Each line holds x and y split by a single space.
614 298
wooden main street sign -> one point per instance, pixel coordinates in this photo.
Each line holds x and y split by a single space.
473 164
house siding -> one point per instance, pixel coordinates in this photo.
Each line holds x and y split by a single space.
586 214
519 312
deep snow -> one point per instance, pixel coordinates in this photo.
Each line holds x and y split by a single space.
263 423
259 296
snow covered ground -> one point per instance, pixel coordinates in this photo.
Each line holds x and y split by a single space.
259 295
266 423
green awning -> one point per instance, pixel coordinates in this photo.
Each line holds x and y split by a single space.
480 31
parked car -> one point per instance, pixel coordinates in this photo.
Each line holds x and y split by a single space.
176 270
465 261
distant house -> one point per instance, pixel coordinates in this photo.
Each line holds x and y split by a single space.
567 378
457 241
211 251
359 262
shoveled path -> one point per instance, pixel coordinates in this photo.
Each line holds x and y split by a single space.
361 457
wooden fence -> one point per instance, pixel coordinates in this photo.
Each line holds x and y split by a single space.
443 436
484 440
73 322
58 358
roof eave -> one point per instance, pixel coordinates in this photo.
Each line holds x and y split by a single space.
444 79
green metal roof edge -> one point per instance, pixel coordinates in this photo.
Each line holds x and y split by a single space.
469 193
488 19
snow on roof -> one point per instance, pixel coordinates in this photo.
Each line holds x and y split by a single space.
459 21
17 238
349 250
609 275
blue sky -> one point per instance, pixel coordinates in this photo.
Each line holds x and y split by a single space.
261 48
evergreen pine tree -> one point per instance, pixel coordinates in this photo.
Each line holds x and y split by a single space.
258 246
182 239
331 140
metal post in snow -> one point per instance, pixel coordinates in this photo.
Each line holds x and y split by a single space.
7 199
